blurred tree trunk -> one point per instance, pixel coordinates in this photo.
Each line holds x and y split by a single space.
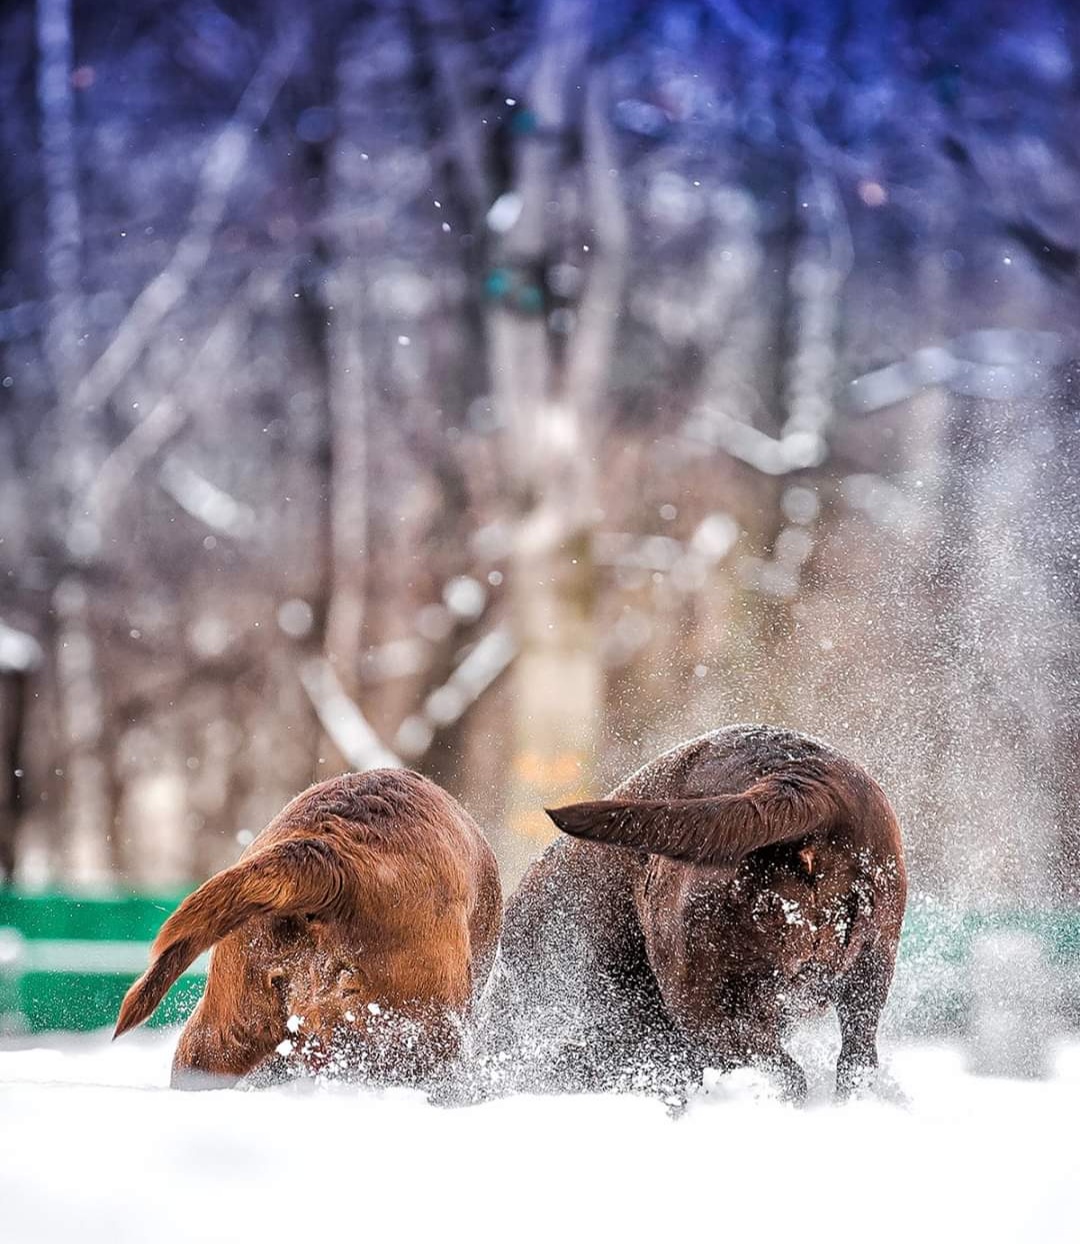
347 382
89 815
348 475
332 177
13 695
1057 543
361 199
550 443
931 459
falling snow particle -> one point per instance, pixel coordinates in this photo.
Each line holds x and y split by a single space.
296 618
504 212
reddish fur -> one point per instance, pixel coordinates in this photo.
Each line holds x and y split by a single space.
760 872
369 888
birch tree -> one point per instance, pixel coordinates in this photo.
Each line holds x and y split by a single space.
548 406
88 810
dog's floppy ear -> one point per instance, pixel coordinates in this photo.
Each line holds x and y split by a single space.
304 875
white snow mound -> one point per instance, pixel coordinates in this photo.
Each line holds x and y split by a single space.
93 1147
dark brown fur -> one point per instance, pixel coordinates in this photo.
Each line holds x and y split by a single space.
725 888
369 908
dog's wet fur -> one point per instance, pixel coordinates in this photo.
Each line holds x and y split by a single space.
722 891
353 936
725 889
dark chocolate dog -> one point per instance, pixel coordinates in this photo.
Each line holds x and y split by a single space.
724 889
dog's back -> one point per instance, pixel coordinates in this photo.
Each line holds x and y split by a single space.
364 917
735 877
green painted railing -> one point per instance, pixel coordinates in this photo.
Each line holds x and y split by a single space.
66 962
932 990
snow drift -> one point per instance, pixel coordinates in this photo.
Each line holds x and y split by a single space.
94 1148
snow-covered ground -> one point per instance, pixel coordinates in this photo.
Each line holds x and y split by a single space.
93 1147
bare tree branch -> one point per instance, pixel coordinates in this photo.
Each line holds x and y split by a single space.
756 40
490 657
769 454
821 265
451 53
200 498
341 718
166 417
219 172
1000 364
19 653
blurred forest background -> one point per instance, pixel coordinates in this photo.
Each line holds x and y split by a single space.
515 388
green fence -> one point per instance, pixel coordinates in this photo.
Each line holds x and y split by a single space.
933 990
66 962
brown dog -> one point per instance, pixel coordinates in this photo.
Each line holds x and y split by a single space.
760 874
358 928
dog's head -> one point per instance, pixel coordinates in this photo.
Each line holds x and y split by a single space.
325 1005
334 1025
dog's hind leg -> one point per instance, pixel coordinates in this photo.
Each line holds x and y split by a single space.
757 1048
860 1000
786 1073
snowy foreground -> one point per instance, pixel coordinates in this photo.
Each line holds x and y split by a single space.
93 1147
